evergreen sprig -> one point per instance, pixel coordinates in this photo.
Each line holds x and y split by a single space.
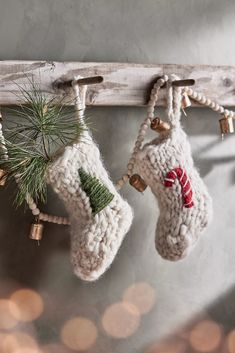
30 166
39 129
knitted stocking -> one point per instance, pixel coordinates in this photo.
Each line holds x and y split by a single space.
99 216
167 167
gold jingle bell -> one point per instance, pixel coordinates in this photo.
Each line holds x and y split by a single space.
226 126
36 231
137 182
159 126
185 102
3 177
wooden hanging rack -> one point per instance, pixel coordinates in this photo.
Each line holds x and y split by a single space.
119 84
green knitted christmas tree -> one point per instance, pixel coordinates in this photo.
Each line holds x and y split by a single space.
98 193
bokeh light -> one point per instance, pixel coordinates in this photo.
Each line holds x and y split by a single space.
7 320
121 320
28 305
171 345
205 336
79 333
18 342
231 342
142 295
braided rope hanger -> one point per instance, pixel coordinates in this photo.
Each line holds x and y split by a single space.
80 94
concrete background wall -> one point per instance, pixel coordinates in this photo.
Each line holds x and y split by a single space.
188 304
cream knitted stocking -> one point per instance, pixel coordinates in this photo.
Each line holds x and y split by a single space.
167 167
99 216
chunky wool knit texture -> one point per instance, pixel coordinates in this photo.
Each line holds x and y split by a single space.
178 226
95 236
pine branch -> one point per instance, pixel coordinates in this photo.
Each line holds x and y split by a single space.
29 166
35 132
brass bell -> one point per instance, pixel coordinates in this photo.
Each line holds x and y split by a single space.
3 177
137 182
159 126
226 126
36 231
185 102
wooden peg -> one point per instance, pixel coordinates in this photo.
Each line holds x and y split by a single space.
181 83
90 80
60 84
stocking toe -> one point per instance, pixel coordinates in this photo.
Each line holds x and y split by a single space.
94 249
174 247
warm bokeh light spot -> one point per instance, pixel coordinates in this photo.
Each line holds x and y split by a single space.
171 345
121 320
231 342
7 320
142 295
205 336
79 334
29 305
18 342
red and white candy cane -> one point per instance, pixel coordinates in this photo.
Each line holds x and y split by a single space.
180 174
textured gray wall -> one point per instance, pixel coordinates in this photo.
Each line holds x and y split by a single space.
186 293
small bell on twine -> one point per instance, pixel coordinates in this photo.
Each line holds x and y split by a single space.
159 125
226 126
3 177
137 182
186 102
36 231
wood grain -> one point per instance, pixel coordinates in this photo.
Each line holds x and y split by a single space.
124 84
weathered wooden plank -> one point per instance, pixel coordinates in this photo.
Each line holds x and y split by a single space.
124 84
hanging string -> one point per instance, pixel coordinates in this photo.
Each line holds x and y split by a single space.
80 105
142 131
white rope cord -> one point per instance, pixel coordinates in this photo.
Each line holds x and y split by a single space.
80 93
80 103
142 131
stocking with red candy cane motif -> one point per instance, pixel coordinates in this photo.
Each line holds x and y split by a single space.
166 165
